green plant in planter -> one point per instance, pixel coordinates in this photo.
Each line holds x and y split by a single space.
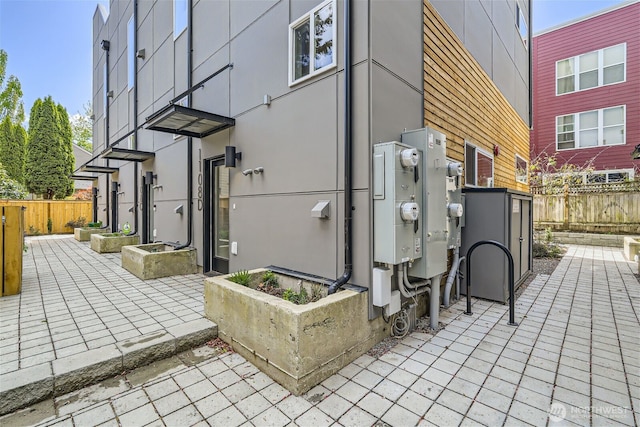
77 223
301 297
95 224
242 277
269 278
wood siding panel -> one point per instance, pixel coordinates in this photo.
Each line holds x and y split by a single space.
38 213
609 29
463 102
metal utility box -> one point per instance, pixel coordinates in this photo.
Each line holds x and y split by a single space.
11 249
432 146
395 205
506 216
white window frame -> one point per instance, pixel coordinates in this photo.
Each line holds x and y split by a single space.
131 54
490 180
577 72
523 179
520 22
309 17
601 127
180 27
585 175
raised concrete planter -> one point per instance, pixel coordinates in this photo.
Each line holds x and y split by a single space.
297 345
83 234
112 242
158 260
631 247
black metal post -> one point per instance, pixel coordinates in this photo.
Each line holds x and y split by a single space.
512 310
114 206
94 198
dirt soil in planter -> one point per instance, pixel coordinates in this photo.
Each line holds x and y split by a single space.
271 290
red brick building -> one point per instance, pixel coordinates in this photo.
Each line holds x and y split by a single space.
586 93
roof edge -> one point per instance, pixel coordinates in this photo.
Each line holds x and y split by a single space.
587 17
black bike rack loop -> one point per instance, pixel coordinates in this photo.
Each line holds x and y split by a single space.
512 314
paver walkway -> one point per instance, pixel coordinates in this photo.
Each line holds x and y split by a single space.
573 360
74 299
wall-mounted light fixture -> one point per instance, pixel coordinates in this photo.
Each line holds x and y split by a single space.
140 53
258 170
266 100
157 187
247 172
230 156
104 44
178 209
131 208
110 94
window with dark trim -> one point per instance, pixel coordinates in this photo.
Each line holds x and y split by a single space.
478 166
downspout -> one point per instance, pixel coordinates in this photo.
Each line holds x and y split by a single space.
530 41
114 206
189 139
105 46
348 185
135 117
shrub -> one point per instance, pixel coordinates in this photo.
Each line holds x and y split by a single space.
49 225
77 223
95 224
269 278
242 277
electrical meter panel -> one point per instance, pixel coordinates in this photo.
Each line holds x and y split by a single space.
396 203
432 179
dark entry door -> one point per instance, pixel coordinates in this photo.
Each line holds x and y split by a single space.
216 216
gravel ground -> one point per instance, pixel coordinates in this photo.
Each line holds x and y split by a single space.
540 266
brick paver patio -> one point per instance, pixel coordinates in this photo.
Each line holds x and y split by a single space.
573 360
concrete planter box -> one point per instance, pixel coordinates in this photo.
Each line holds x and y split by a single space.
83 234
297 345
631 247
158 260
112 242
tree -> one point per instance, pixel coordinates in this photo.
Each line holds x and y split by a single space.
49 160
12 149
10 188
82 128
11 104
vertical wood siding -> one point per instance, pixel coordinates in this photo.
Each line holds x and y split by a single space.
589 209
38 213
461 100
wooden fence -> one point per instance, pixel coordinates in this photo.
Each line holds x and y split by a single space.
589 209
38 212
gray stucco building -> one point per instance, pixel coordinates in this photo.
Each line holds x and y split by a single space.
178 82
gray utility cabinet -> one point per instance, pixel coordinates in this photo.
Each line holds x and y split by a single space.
506 216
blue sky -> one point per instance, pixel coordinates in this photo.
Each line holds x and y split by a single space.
49 42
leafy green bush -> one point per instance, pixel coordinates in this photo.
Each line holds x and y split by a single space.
77 223
269 278
547 250
95 224
297 298
242 277
303 296
49 225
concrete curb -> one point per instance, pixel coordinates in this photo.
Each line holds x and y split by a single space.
33 384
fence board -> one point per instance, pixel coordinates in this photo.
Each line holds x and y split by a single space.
617 210
60 211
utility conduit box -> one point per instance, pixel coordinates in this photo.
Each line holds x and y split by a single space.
381 286
396 203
